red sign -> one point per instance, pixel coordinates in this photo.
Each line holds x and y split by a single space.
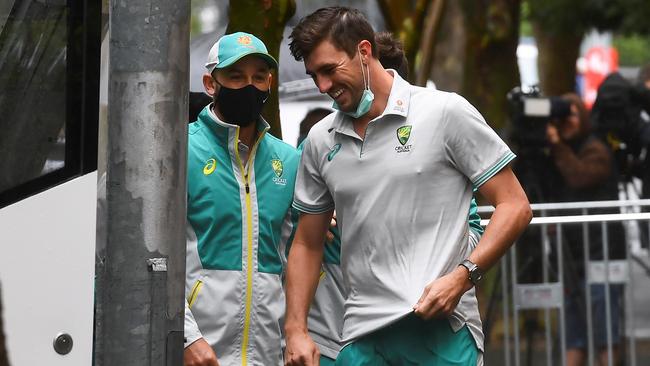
599 62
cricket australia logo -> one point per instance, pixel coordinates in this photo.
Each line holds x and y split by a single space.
403 135
245 40
278 169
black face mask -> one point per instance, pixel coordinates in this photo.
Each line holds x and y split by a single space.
241 106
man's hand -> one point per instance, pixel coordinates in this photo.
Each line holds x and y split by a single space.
301 350
552 134
329 236
441 296
199 353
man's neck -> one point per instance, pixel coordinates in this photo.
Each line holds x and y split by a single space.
247 134
381 84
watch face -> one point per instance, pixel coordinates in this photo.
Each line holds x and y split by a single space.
476 276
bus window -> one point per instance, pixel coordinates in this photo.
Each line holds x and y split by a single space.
48 98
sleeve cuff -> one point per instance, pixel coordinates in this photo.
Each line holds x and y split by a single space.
312 209
494 169
192 332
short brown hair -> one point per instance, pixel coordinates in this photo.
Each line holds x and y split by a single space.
344 27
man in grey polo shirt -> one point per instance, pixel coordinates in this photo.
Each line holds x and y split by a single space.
399 162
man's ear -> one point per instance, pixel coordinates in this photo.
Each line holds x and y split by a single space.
365 49
209 84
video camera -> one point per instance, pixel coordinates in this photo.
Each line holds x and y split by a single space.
530 112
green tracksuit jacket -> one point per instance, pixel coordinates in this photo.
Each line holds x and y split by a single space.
239 221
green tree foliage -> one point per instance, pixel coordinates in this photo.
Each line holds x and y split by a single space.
632 50
405 19
635 18
195 20
481 57
490 68
565 16
559 26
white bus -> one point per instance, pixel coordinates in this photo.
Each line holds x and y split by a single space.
49 100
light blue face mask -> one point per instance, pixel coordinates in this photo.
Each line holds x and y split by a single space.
366 98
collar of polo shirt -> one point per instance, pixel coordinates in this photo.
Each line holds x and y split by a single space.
398 104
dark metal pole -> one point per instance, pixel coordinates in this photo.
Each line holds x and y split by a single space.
141 270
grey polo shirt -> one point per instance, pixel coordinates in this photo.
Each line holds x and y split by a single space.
402 199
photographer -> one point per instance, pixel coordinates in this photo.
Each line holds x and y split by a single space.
621 116
581 159
581 168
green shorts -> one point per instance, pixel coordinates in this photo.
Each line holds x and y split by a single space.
412 341
326 361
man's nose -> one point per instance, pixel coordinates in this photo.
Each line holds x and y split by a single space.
324 84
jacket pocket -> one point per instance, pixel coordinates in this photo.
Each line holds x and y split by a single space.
196 288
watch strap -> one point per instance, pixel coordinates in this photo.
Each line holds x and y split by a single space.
475 273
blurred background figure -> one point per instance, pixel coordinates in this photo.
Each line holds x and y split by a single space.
197 101
311 118
391 53
581 168
621 116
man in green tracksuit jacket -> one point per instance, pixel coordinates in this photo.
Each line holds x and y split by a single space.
240 186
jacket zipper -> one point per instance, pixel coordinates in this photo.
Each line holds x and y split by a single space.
249 244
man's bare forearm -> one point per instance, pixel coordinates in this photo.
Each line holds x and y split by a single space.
511 216
506 224
302 279
303 268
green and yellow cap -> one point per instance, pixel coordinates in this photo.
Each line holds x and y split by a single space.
232 47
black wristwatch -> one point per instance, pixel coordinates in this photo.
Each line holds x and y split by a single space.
475 273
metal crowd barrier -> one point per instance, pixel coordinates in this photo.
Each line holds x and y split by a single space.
549 295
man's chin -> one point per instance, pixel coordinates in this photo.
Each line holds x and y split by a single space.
346 107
